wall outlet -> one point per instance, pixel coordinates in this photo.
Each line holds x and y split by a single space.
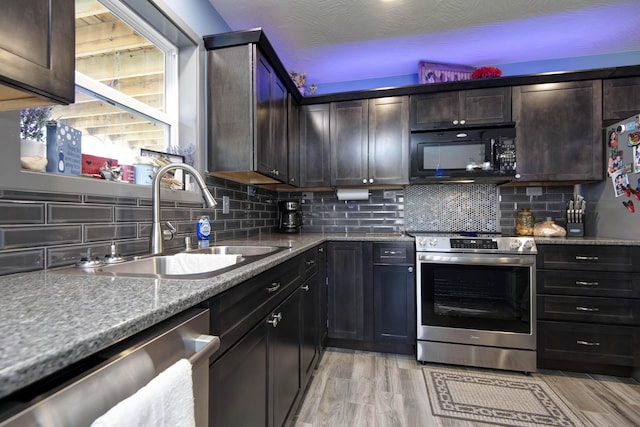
225 204
388 194
251 191
307 195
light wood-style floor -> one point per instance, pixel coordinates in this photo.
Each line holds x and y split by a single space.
355 388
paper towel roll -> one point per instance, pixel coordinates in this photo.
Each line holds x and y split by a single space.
353 193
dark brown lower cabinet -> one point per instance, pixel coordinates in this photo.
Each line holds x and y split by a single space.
588 307
371 288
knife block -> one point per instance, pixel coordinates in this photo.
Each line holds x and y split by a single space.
575 229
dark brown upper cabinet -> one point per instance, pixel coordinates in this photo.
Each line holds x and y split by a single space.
442 110
620 98
370 142
37 46
314 146
558 131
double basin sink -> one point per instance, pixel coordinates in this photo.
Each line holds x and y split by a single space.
194 264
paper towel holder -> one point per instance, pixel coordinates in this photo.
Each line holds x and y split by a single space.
347 194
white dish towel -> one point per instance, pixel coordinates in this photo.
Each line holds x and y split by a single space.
166 401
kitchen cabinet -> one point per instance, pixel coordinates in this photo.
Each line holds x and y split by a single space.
588 307
247 125
371 289
314 146
271 121
442 110
311 321
370 141
37 45
394 299
293 140
259 325
558 131
620 98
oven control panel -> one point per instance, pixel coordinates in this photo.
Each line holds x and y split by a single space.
429 243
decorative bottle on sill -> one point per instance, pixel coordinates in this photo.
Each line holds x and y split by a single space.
525 222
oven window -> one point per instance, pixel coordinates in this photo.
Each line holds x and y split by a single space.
450 155
494 298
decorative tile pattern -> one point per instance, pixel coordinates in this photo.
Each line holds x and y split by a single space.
452 208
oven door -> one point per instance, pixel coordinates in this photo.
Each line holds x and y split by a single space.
479 299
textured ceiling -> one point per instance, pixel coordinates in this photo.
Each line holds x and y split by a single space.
343 40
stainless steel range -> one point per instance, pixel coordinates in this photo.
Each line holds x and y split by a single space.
476 301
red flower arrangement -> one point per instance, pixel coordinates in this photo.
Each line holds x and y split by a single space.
484 72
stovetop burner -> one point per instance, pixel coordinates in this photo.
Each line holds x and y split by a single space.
473 242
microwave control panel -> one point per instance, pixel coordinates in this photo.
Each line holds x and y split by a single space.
505 151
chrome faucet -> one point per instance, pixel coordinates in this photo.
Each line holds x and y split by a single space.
157 236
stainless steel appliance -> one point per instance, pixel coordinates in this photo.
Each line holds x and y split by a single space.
118 372
465 154
289 216
476 301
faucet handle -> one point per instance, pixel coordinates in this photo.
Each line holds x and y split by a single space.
170 233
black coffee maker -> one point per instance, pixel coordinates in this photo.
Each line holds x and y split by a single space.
289 216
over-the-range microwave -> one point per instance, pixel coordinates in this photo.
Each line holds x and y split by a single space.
472 155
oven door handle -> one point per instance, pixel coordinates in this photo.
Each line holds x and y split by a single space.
477 259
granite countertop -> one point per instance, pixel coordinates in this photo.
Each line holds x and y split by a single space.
50 320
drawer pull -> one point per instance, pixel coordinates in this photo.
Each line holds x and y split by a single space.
273 288
589 309
275 319
586 258
304 287
310 263
588 343
582 283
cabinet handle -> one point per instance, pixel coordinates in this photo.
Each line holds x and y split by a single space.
364 180
582 283
589 309
310 263
273 288
320 249
370 180
455 122
275 319
304 287
410 269
588 343
275 172
586 258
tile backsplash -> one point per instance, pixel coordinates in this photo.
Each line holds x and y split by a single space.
44 230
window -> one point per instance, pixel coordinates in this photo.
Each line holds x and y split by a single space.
126 78
139 84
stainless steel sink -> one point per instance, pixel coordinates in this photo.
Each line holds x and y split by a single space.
195 264
239 250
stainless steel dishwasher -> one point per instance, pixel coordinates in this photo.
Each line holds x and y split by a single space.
126 368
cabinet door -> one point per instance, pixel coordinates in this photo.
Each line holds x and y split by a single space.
293 143
323 298
37 45
394 304
558 128
345 266
284 358
434 110
485 106
620 98
349 148
271 121
389 141
240 377
310 322
314 146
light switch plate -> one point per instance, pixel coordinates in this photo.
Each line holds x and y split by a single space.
307 195
225 204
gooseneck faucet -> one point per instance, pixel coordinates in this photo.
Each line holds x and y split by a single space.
157 238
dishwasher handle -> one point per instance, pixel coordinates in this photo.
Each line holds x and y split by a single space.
205 346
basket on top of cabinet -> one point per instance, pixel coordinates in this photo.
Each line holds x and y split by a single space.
588 306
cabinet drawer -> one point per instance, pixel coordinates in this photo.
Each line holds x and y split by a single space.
236 310
611 345
394 253
593 283
589 309
588 257
311 261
